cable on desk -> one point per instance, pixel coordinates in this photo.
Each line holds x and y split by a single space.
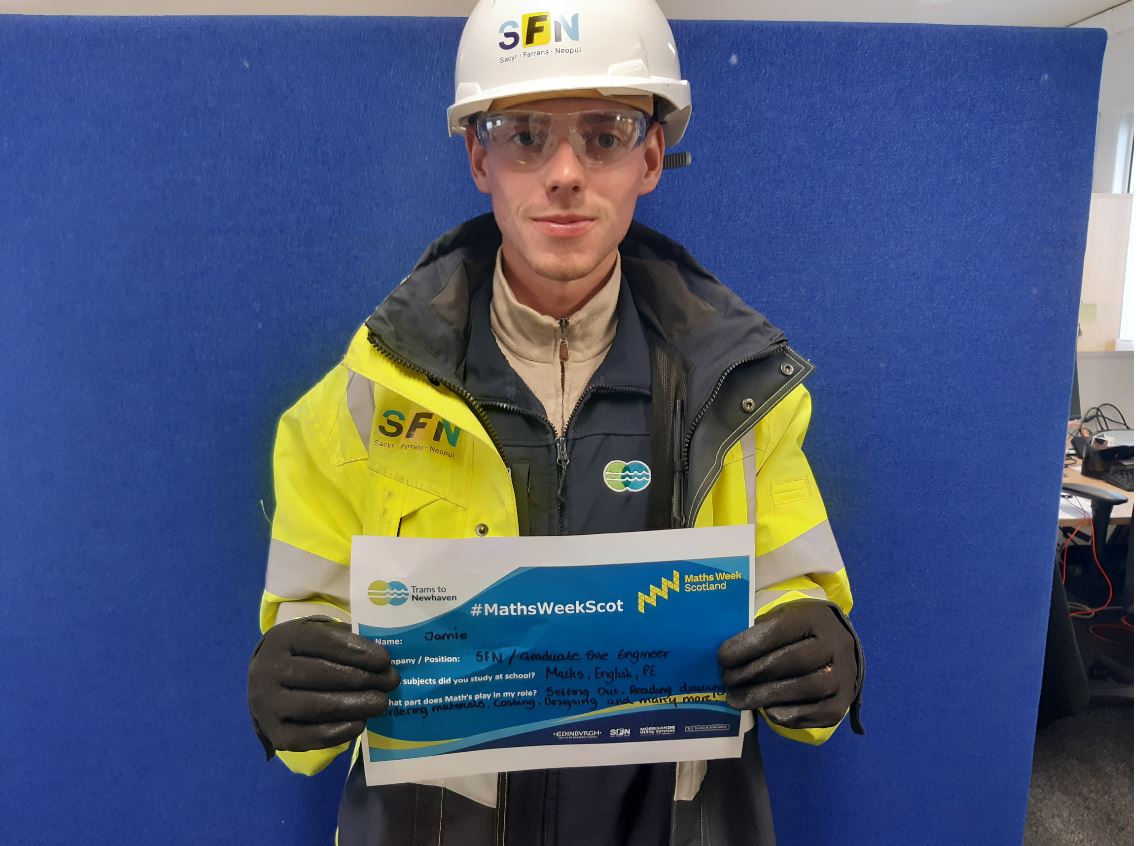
1080 503
1074 605
1105 575
1109 639
1066 548
1103 421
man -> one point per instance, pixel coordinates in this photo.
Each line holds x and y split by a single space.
532 347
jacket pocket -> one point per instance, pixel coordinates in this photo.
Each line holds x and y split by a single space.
793 490
427 516
395 508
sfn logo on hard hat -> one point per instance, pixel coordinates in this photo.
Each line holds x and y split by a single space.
537 30
626 476
387 593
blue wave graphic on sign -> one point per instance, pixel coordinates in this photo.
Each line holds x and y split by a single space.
542 733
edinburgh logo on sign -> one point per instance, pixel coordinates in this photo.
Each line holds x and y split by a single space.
538 29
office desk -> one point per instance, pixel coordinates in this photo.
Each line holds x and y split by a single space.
1066 685
1071 516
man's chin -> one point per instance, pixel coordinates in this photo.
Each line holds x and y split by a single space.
564 269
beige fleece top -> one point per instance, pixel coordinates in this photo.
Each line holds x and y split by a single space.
555 358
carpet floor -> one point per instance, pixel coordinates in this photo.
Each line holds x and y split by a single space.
1081 790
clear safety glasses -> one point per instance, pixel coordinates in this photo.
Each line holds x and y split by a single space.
529 139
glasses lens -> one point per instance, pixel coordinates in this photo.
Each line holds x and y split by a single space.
516 136
608 136
529 138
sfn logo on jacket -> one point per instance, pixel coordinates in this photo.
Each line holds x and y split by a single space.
538 29
626 476
417 430
387 593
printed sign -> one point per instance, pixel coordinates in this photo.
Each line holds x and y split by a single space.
525 653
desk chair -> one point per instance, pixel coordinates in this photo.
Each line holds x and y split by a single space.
1118 684
1066 687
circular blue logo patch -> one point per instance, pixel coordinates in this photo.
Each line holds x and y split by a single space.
626 476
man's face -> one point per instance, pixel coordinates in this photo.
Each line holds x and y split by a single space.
564 219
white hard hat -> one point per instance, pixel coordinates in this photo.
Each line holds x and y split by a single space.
616 47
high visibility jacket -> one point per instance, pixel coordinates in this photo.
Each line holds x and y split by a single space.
741 423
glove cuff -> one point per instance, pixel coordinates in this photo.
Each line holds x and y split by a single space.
854 709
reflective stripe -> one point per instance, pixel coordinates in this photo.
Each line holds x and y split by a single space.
688 778
362 405
689 775
814 551
480 788
295 610
293 573
764 597
749 466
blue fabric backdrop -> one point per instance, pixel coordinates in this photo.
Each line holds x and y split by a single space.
195 213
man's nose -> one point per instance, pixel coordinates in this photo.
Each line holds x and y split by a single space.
564 171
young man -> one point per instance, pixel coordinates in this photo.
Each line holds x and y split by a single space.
545 341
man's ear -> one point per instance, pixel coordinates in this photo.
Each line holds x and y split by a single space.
477 158
654 156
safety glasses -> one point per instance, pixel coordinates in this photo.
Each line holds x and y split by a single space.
528 139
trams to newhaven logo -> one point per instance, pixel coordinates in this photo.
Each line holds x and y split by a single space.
388 593
538 29
397 593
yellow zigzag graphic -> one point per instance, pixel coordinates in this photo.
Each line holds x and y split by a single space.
655 592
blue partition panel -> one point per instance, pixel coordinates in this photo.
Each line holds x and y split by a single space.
195 213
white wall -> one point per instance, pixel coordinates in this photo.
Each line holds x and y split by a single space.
1106 377
1116 102
1107 247
987 12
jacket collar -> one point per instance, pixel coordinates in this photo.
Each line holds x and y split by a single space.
427 321
489 377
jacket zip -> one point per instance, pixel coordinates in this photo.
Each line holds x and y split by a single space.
561 457
564 357
563 460
562 454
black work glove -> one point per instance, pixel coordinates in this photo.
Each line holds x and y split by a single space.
313 683
801 662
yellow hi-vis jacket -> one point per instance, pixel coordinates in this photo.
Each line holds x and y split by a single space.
330 487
